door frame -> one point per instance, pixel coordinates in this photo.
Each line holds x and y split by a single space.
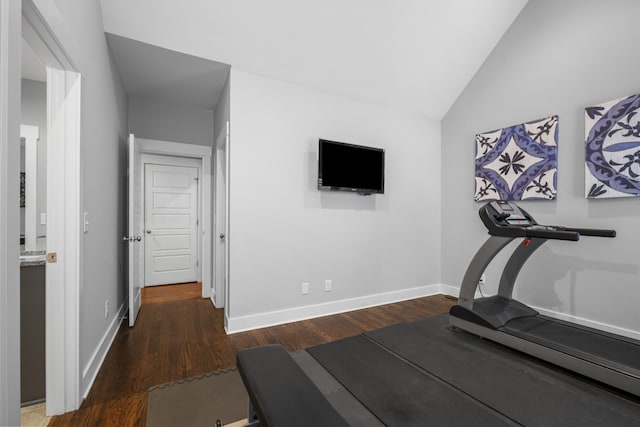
176 149
64 184
24 20
64 237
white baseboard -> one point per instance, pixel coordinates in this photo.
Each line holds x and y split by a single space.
272 318
206 291
95 362
450 290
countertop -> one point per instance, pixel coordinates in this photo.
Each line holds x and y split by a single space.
32 258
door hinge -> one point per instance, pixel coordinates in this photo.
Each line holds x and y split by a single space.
197 263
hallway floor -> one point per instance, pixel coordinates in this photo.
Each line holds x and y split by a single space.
34 416
178 335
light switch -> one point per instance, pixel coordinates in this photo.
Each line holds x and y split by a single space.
43 219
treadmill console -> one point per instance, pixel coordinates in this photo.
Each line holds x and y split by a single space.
508 213
506 219
503 218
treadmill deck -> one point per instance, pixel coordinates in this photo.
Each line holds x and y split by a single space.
426 373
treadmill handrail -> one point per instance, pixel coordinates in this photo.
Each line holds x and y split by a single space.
594 232
552 233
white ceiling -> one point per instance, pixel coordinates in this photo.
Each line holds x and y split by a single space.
412 55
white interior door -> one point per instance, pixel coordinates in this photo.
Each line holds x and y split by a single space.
171 224
221 229
135 233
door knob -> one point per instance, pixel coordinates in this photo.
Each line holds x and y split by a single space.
148 231
125 239
138 238
222 235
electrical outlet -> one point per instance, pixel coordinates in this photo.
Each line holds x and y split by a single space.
106 309
305 288
483 279
327 285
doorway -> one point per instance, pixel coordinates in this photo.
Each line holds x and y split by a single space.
174 162
32 250
33 197
63 277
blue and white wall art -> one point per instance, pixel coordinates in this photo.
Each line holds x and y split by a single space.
612 141
519 162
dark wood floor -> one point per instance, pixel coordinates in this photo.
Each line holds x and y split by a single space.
178 335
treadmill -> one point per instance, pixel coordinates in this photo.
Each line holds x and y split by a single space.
609 358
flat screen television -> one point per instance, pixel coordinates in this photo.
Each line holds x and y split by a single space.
348 167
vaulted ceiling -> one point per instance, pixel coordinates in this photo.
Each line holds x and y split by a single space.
412 55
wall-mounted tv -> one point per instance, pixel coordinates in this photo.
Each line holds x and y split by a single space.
348 167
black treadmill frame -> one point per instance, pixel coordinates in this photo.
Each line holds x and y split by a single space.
489 317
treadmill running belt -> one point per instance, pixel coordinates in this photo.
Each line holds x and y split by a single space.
396 392
519 387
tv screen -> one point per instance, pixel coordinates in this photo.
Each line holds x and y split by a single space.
348 167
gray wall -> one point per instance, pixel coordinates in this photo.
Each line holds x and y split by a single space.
284 232
78 24
34 113
557 58
170 123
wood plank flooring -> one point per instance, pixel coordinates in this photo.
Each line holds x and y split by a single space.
178 335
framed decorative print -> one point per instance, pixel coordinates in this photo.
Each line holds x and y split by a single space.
612 149
518 162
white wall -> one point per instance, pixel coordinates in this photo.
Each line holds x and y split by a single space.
557 58
284 232
78 26
34 113
170 122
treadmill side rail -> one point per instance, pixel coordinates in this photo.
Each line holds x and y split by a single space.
589 369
